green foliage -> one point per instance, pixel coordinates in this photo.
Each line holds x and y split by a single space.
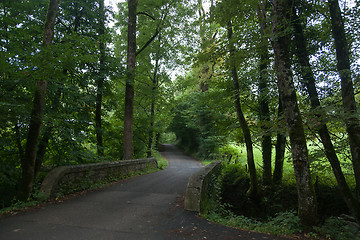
19 206
168 137
285 223
162 162
230 195
196 107
338 229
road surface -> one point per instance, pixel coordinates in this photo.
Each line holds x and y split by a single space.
144 207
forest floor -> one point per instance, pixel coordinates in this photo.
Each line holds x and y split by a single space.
143 207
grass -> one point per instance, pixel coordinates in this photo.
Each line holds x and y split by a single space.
162 162
285 221
321 168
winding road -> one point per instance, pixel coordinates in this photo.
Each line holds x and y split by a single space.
143 207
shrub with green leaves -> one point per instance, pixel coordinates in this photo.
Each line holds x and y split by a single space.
338 229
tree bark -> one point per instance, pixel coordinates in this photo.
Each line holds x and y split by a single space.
347 88
279 151
281 44
100 82
264 112
18 143
253 192
37 111
308 81
44 142
152 109
129 89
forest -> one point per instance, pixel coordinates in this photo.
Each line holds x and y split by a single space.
270 87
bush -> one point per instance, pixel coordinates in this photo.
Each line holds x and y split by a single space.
338 229
283 223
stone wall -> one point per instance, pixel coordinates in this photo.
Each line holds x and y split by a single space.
71 176
197 191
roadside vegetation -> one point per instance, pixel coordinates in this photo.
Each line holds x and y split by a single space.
275 212
270 87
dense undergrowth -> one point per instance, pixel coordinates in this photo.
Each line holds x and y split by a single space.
274 211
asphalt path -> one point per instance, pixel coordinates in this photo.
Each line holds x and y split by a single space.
143 207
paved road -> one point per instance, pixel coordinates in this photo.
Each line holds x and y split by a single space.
145 207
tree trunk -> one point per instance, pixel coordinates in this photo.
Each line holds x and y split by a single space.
37 111
151 130
253 192
152 110
18 142
100 82
308 81
264 112
279 151
347 88
281 44
44 142
129 90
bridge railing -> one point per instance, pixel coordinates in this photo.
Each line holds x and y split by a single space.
70 176
197 191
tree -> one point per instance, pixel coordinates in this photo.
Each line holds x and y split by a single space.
129 91
308 81
281 43
155 85
264 112
253 192
37 111
100 80
279 150
132 53
347 87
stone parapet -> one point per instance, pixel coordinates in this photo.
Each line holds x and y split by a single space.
71 175
196 196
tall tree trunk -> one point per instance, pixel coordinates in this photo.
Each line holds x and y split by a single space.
152 110
151 130
281 44
129 90
347 88
279 151
204 77
18 142
47 133
100 82
264 111
37 111
308 81
44 142
253 192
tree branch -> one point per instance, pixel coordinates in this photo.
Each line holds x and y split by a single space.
146 14
148 42
157 31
